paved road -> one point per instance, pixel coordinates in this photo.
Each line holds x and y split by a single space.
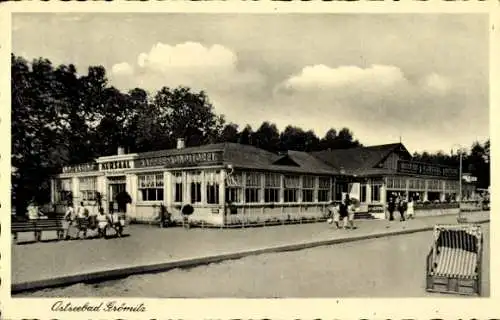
386 267
149 244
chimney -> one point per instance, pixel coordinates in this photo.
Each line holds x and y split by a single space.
121 151
181 143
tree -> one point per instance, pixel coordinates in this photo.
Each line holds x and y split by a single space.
245 136
294 138
267 137
37 111
187 114
229 133
329 139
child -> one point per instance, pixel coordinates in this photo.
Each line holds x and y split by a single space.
351 212
334 214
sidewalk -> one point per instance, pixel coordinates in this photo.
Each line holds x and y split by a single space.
149 248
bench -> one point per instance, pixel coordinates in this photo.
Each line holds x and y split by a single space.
454 261
37 226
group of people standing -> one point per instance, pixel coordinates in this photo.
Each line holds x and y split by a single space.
343 211
402 204
81 218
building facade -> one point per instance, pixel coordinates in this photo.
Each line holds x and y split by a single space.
231 183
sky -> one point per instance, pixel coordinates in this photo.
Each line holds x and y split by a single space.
421 78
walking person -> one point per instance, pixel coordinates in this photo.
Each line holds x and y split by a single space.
334 214
350 214
402 208
391 207
81 217
344 211
410 211
68 219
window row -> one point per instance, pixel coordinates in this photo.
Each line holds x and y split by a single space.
87 189
251 187
420 184
267 188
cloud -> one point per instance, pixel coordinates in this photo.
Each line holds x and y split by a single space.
378 96
122 69
437 84
213 69
187 57
321 76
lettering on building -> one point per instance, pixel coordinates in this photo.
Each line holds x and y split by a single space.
427 169
84 167
192 159
115 165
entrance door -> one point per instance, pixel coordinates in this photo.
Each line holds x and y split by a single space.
114 189
115 186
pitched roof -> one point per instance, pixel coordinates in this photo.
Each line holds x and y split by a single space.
359 160
250 157
311 163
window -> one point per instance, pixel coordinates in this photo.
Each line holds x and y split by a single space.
390 183
63 188
308 183
363 193
413 184
292 186
234 187
421 184
452 186
272 187
376 193
212 179
252 190
194 181
396 183
324 189
88 188
177 186
434 185
151 187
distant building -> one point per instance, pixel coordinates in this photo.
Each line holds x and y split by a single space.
228 183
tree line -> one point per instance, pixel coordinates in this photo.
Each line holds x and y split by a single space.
61 117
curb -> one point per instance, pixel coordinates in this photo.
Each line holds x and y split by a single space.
111 274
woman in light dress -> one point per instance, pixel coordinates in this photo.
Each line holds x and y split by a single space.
410 211
102 223
68 219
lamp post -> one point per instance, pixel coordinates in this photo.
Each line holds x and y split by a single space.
459 218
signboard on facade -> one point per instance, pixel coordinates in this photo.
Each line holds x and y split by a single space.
427 169
469 178
181 160
84 167
115 165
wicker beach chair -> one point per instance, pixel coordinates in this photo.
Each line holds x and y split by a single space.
454 261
